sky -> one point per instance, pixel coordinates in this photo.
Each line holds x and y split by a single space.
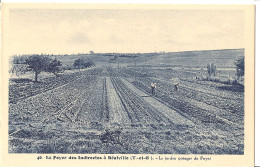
67 31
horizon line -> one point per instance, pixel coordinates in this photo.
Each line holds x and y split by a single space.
88 53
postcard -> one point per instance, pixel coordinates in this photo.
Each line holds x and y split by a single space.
127 85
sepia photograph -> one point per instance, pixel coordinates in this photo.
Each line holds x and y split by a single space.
139 80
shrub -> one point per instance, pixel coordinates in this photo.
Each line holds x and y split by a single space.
81 63
240 68
55 67
211 68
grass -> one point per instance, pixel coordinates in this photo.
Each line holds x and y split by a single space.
189 140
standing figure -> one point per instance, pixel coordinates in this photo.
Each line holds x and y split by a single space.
176 86
153 86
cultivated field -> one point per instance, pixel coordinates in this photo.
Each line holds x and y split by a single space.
109 108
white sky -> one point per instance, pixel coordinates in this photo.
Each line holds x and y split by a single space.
61 31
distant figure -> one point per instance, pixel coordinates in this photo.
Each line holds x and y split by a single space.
176 86
153 86
31 126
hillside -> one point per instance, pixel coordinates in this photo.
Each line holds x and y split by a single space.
222 58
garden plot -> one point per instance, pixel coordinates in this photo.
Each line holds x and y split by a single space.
161 108
191 100
111 111
23 88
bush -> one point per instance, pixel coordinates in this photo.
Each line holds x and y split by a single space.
55 67
81 63
19 59
211 69
240 68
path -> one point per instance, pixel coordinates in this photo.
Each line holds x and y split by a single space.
118 114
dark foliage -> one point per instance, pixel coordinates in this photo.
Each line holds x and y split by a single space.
211 69
19 59
37 64
55 67
240 67
81 63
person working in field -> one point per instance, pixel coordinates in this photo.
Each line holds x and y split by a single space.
153 86
176 86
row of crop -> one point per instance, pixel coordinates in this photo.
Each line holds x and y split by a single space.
36 118
189 79
193 79
213 90
92 109
227 101
138 110
181 103
235 106
22 90
105 115
86 88
49 104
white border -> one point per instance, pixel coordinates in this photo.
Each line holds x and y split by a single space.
257 48
138 1
257 88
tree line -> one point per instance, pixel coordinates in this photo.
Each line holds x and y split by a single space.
42 63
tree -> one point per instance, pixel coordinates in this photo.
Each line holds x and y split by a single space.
37 64
55 67
19 59
79 63
240 68
89 64
211 69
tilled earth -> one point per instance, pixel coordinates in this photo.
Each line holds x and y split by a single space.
103 111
